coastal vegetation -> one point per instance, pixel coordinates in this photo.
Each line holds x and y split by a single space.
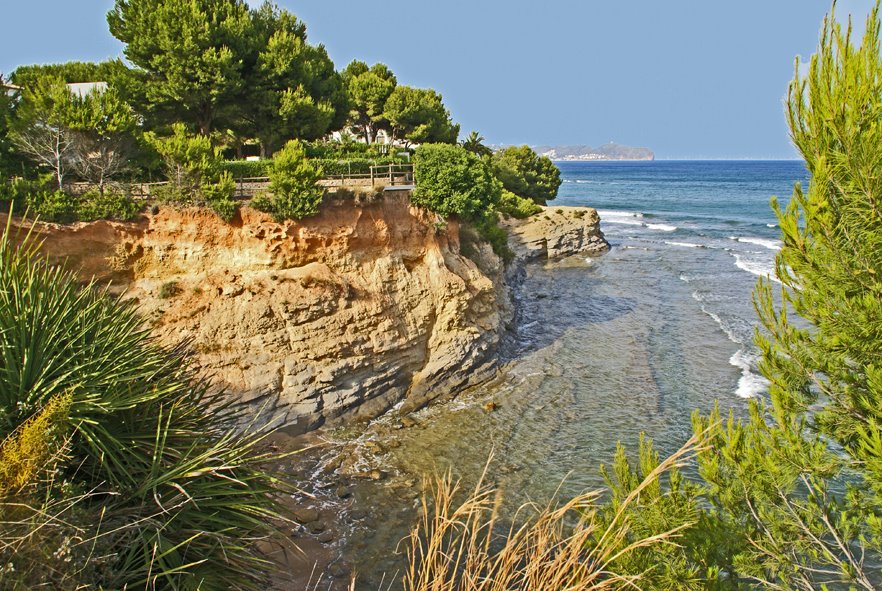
119 467
525 173
294 192
203 83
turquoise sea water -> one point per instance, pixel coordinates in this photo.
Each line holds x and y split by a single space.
604 348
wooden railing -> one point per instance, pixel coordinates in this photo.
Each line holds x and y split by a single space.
384 175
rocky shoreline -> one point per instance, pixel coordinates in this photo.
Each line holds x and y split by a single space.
332 321
340 465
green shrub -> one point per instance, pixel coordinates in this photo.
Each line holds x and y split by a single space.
109 206
154 462
335 167
53 206
527 174
294 191
219 196
452 181
224 208
190 160
330 165
517 207
338 150
18 190
497 237
244 169
170 193
169 290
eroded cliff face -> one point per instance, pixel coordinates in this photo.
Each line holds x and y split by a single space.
556 232
331 319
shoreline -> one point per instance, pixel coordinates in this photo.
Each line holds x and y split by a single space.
344 464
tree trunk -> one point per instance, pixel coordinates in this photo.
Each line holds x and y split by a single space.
205 120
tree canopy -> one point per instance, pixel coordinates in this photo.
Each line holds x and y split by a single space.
417 115
41 128
368 89
452 181
525 173
188 57
7 148
474 143
293 89
70 72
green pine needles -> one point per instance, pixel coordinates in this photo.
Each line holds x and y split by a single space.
791 498
145 480
294 189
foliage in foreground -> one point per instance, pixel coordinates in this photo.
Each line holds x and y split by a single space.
792 496
120 468
461 545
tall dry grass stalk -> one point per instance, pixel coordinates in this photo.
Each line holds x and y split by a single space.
458 546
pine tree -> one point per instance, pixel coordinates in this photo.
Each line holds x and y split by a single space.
792 496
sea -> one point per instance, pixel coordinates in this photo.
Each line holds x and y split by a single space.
605 348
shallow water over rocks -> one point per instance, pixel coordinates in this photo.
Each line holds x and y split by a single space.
602 349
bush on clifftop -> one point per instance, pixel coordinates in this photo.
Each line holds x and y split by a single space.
454 182
294 189
525 173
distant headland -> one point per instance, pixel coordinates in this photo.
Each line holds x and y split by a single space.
605 152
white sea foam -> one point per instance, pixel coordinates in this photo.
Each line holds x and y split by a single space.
624 222
723 326
685 244
662 227
619 214
771 225
756 267
749 384
764 242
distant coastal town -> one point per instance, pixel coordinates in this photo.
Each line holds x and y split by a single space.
581 153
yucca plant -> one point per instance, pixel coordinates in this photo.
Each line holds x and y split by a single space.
180 488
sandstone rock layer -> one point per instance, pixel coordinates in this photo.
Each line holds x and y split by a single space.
331 319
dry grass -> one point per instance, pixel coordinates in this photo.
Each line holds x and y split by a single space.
29 448
457 546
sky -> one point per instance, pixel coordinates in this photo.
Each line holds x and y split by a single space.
686 78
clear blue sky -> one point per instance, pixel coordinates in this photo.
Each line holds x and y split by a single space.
687 78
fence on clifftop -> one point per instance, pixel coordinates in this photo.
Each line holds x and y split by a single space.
384 175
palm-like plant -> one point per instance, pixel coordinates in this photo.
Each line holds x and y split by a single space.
179 488
474 143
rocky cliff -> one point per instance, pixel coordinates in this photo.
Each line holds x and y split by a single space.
335 318
556 232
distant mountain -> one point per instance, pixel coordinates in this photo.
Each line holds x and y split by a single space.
604 152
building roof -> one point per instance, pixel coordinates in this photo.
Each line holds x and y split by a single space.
82 89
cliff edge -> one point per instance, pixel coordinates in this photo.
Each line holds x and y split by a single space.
326 320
